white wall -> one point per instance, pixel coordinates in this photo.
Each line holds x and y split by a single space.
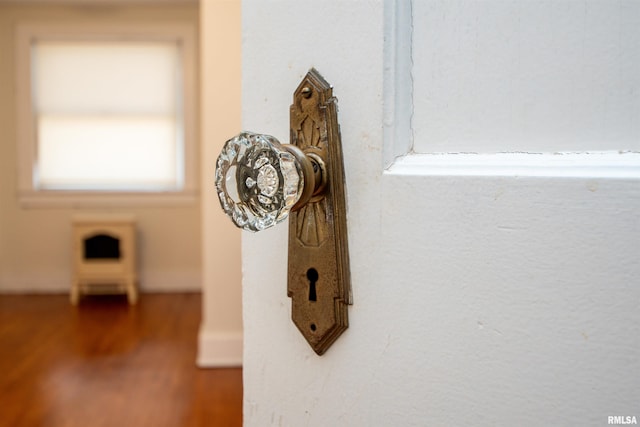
487 298
35 244
220 341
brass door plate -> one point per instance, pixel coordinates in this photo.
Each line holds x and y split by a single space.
319 282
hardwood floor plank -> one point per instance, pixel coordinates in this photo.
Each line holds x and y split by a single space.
105 363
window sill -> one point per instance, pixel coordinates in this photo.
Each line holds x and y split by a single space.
78 199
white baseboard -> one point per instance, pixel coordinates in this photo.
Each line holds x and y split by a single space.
176 281
219 349
58 283
37 283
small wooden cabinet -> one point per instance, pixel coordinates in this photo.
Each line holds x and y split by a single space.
104 256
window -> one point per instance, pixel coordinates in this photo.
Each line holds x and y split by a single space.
106 112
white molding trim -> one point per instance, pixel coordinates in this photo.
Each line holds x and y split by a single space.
397 81
602 164
219 349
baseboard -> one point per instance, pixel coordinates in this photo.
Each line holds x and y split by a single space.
165 281
219 349
35 283
61 283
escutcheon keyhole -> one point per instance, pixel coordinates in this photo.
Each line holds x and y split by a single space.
312 275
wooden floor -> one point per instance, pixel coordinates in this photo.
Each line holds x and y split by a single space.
107 364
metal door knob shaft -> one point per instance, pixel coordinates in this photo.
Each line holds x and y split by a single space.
259 181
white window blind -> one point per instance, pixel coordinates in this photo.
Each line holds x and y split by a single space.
108 115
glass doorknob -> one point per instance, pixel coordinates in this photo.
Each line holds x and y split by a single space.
260 181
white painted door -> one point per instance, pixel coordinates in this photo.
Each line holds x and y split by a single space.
492 175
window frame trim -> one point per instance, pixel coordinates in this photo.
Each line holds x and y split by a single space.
27 33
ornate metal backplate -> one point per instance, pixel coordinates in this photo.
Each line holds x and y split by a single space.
319 282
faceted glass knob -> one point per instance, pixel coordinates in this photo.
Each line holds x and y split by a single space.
259 180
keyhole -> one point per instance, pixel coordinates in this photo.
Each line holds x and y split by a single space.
312 275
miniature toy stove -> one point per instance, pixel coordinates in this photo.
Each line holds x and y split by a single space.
104 252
